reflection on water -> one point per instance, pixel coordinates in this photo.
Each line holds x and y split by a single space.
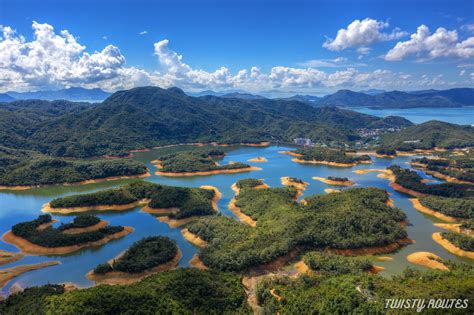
25 205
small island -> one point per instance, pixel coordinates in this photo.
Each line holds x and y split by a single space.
451 168
194 163
248 183
145 257
427 259
296 183
38 237
335 181
386 153
258 159
331 157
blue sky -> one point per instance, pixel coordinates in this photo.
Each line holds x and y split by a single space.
292 45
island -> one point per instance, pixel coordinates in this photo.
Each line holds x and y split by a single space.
258 159
283 225
198 162
145 257
451 168
455 243
248 183
331 157
427 259
38 237
296 183
335 181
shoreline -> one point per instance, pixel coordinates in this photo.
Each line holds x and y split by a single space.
290 153
450 247
427 259
216 198
91 228
333 182
240 215
237 189
439 175
259 159
296 160
46 208
373 250
212 172
300 187
196 262
123 278
9 257
423 209
27 247
331 191
8 274
407 191
84 182
193 238
456 228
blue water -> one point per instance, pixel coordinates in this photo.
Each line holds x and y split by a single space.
19 206
460 116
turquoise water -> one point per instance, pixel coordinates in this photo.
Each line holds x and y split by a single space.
460 116
19 206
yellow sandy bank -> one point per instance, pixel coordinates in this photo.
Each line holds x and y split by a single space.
240 215
324 163
172 223
334 182
259 159
43 226
407 191
122 278
10 273
94 227
450 247
150 210
193 238
216 198
455 228
370 170
9 257
213 172
300 187
85 182
237 189
290 153
418 206
385 156
33 249
48 209
383 258
330 190
196 262
427 259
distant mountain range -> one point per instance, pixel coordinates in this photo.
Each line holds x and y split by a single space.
70 94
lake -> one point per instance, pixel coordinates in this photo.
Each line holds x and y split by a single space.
19 206
460 115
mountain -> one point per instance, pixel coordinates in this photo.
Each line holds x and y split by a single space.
372 91
309 99
244 96
396 99
70 94
6 98
431 134
150 116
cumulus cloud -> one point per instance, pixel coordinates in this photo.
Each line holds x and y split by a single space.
426 45
143 33
361 33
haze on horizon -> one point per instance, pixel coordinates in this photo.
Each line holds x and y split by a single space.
313 47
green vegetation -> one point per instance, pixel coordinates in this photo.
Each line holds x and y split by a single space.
365 293
195 161
351 219
32 300
190 201
145 254
429 135
295 180
461 168
327 263
454 207
51 237
386 151
411 180
82 221
338 179
330 155
26 168
248 183
468 225
462 241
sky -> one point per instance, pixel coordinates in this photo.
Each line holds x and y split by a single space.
310 47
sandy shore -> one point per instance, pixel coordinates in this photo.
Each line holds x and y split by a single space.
455 228
259 159
450 247
10 273
407 191
48 209
172 223
334 182
418 206
330 190
193 238
390 202
427 259
216 198
385 156
300 187
240 215
324 163
91 228
420 152
196 262
150 210
213 172
375 250
33 249
237 189
43 226
122 278
383 258
9 257
290 153
84 182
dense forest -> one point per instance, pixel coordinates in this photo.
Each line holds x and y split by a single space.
82 221
462 241
52 237
351 219
459 167
330 155
333 264
386 151
248 183
454 207
144 254
195 161
190 201
411 180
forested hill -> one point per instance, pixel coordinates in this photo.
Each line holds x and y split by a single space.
150 116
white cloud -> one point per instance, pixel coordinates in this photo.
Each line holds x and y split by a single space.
336 62
424 45
461 73
361 33
143 33
468 28
104 37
